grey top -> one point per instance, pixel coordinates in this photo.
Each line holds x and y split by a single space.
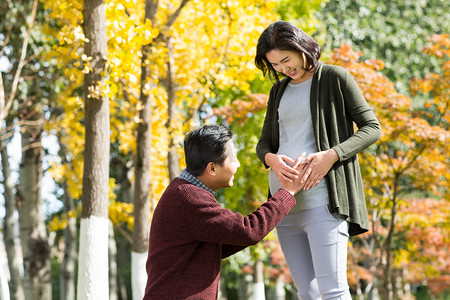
297 136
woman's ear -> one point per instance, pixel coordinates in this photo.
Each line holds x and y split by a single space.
305 61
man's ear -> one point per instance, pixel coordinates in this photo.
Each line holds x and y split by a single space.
211 168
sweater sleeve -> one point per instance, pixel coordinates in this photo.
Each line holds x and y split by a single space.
369 130
208 222
228 250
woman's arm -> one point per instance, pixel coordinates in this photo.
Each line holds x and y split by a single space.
368 132
369 129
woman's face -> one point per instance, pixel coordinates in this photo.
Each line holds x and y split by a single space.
290 63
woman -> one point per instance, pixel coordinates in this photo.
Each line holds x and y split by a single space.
313 110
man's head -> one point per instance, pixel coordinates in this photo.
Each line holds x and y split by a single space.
211 155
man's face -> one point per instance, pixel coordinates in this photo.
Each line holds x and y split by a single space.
225 172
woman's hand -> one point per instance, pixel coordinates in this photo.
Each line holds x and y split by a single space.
317 166
279 164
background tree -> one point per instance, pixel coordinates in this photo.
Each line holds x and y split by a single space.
33 234
423 237
93 255
15 286
68 265
423 258
393 31
434 87
6 130
24 90
142 167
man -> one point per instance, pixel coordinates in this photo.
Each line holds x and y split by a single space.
191 232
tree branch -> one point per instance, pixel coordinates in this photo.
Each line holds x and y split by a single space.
124 233
7 37
2 96
15 83
151 7
173 18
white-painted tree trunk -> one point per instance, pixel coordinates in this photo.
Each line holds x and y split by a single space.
112 246
9 222
93 277
93 259
4 287
278 292
222 293
138 275
258 291
258 281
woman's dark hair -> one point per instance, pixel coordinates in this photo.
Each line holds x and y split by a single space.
204 145
282 35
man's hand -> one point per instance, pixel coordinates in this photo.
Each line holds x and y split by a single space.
294 186
279 165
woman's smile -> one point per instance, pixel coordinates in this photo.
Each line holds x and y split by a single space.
290 63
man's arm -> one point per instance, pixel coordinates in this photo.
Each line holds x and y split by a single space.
211 223
228 250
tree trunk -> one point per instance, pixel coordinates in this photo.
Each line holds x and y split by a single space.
4 288
172 156
35 247
68 265
122 173
245 291
93 254
67 272
258 281
387 289
16 286
222 292
278 292
142 167
141 198
123 259
142 161
113 287
292 292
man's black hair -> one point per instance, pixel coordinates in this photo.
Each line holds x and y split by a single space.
204 145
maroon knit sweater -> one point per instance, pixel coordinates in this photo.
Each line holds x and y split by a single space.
191 233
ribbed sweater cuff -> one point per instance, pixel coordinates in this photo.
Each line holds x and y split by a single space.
289 199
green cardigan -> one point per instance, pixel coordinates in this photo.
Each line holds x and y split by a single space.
336 102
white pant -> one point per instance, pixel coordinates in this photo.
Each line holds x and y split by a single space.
314 245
